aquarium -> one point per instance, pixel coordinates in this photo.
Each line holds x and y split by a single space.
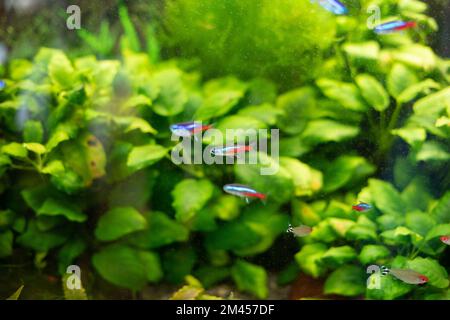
224 149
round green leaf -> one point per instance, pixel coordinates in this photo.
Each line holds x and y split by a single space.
190 196
250 278
118 222
127 267
373 92
348 281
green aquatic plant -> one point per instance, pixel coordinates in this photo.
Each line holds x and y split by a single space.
283 40
86 174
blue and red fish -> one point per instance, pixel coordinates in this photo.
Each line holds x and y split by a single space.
334 6
393 26
188 129
231 151
2 84
361 207
243 191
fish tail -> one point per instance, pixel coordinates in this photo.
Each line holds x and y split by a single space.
385 270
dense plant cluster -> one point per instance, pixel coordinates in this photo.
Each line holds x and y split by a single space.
85 168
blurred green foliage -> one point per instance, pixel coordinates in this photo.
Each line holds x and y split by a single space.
85 172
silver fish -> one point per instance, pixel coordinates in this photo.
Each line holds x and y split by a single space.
409 276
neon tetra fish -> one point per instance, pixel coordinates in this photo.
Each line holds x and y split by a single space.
408 276
187 129
394 26
2 84
300 231
333 6
243 192
445 239
362 206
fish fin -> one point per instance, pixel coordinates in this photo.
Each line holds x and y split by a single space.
247 200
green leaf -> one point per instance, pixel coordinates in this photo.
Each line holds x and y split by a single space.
386 197
118 222
324 232
372 253
33 131
361 232
347 94
414 136
368 50
60 70
437 231
16 295
144 156
416 55
134 123
345 170
373 91
6 244
419 222
226 207
35 147
338 256
42 241
63 178
436 274
308 258
416 195
399 79
172 95
237 122
56 207
86 157
267 176
388 287
161 231
264 112
400 236
69 252
432 104
414 90
346 281
296 108
250 278
7 218
321 131
341 226
15 149
209 275
306 180
63 132
190 196
433 151
441 211
178 263
127 267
